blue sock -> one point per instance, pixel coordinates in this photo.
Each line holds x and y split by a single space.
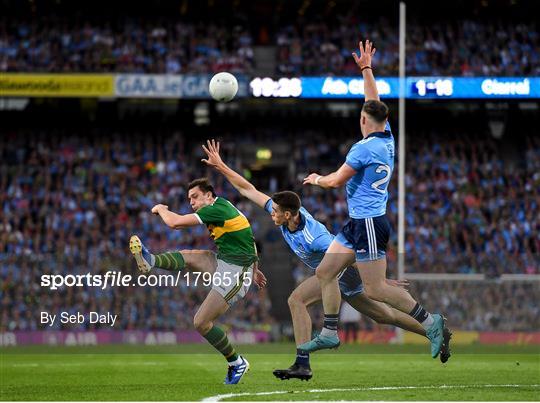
302 358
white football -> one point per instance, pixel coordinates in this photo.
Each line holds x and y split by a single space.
223 87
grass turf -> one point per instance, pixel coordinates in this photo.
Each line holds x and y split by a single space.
195 372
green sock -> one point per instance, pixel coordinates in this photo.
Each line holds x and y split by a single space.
218 338
173 261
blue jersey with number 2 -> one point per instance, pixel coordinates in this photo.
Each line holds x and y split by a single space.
373 160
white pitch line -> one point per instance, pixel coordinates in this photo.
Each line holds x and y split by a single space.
25 365
80 364
219 398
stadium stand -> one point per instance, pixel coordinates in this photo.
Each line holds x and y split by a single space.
305 47
464 48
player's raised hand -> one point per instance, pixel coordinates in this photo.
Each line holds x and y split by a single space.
212 151
156 209
366 53
311 179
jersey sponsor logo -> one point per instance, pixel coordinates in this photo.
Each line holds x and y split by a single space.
301 252
390 147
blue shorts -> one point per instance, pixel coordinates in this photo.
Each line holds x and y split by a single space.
368 237
350 283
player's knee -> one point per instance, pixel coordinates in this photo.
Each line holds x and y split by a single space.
323 275
202 325
295 301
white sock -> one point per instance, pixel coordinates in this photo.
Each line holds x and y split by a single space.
428 322
238 361
152 260
328 333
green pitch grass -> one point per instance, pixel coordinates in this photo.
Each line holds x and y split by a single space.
194 373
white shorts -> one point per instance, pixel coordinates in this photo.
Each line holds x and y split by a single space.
232 282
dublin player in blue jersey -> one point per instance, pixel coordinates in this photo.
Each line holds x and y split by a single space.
308 239
366 174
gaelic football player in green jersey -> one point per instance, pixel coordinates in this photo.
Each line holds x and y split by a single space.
233 268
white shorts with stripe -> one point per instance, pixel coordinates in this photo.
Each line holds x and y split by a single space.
231 281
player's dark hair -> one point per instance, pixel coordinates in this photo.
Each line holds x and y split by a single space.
287 201
203 184
377 110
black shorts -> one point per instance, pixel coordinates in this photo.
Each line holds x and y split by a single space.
368 237
350 283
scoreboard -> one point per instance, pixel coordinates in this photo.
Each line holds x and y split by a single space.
388 87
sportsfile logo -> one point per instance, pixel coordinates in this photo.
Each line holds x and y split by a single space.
109 279
118 279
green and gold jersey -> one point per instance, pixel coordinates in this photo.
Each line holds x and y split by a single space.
231 232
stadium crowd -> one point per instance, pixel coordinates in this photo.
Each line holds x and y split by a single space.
70 202
129 47
497 306
461 48
310 47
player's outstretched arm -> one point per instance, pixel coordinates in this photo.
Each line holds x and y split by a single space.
173 220
334 180
364 63
240 183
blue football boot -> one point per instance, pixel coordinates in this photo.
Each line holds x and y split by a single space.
435 334
320 343
236 372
